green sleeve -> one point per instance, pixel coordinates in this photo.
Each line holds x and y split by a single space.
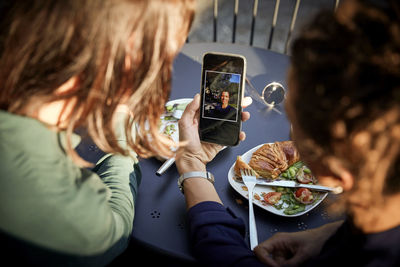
49 204
122 176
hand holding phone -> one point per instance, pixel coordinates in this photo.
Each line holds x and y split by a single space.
222 86
194 155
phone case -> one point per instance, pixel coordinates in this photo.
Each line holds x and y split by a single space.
242 86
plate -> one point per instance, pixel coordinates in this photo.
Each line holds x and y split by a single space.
169 124
259 189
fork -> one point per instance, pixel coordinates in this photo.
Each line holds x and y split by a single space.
249 179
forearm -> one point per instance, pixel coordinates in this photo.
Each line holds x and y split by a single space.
217 235
122 176
327 230
196 189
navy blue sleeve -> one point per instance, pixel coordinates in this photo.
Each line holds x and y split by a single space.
217 236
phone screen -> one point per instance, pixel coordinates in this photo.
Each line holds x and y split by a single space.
221 95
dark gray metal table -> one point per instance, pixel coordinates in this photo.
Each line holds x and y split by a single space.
160 219
160 216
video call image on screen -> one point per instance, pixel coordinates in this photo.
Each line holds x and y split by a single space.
221 95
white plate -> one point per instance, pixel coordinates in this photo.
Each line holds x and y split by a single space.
174 122
258 189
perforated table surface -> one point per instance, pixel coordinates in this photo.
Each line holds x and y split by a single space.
160 215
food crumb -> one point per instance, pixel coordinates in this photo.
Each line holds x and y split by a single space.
239 201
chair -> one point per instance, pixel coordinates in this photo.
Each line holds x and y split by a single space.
255 11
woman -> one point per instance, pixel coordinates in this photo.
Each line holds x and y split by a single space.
70 64
344 105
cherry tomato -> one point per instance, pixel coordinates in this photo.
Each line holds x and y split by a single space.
272 197
304 195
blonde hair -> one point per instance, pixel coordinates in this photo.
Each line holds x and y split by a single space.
121 51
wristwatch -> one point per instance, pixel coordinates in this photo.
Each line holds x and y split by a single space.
206 175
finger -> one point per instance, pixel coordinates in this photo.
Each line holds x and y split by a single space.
247 101
269 261
242 136
245 116
264 256
296 260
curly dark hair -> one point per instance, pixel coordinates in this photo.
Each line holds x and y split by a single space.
346 70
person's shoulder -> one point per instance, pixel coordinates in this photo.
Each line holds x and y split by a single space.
231 108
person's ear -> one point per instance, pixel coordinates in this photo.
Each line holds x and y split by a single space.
346 179
336 175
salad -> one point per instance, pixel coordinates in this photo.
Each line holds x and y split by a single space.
292 200
168 123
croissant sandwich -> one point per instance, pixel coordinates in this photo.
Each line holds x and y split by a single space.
290 151
241 165
270 159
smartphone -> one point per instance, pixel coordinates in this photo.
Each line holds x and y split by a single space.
222 87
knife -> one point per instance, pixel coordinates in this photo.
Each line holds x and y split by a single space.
165 166
293 184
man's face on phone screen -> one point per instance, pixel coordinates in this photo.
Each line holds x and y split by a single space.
225 98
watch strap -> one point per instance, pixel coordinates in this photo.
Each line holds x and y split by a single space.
197 174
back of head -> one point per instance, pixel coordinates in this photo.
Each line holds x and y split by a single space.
346 74
120 51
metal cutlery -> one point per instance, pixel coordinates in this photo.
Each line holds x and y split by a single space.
293 184
165 166
250 180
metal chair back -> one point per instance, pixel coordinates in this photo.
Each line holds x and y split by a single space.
271 30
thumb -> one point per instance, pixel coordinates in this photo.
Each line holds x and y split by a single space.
195 104
192 108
